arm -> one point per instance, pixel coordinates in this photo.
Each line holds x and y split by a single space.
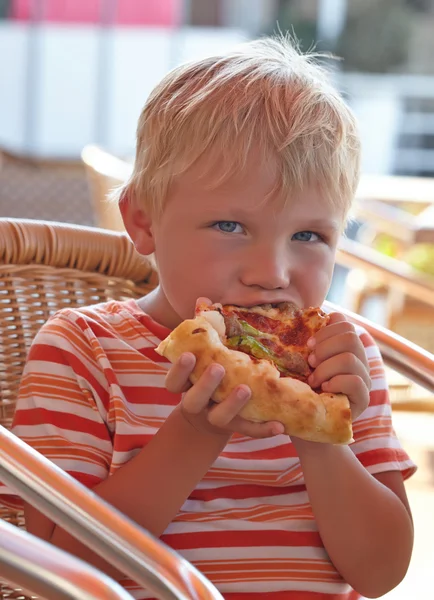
152 487
364 522
158 480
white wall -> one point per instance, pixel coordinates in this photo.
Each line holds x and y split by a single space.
65 91
395 133
62 87
13 58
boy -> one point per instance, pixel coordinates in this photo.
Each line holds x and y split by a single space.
245 170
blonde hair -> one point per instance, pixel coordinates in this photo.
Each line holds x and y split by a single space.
265 94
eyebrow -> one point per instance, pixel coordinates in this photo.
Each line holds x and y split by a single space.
234 214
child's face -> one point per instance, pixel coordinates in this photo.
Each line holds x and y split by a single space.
236 246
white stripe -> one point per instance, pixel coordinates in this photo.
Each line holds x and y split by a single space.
141 379
372 353
252 445
378 384
226 525
119 459
391 466
81 467
128 429
47 368
47 431
126 344
153 338
258 552
380 443
207 484
63 342
266 465
372 412
204 506
59 405
256 587
152 411
262 587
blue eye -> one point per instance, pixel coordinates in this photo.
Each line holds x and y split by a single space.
306 236
227 226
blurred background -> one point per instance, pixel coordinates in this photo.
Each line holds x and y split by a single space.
74 75
74 72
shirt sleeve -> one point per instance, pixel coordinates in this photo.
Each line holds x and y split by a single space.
62 403
375 442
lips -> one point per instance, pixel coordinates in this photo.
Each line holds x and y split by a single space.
262 302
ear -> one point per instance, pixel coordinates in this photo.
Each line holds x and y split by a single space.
138 225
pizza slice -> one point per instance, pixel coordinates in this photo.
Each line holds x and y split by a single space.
277 333
265 347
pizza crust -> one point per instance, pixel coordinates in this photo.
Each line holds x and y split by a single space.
316 417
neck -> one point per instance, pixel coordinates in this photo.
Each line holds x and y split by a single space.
156 305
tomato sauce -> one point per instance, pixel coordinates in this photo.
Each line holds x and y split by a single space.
296 335
258 321
275 348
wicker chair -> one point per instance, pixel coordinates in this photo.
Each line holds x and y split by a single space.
46 266
104 172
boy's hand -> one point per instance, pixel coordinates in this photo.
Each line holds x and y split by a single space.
204 414
340 363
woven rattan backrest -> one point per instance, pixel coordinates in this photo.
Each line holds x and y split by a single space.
47 266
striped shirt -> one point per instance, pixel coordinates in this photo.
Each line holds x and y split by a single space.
93 395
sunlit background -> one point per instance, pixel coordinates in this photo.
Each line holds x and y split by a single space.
74 75
75 72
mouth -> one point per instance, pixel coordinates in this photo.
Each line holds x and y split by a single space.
274 303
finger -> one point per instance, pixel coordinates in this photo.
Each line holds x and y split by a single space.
352 386
257 430
198 396
226 415
177 378
331 330
347 341
222 413
340 364
337 317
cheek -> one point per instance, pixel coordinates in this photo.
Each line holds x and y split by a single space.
315 286
189 269
185 253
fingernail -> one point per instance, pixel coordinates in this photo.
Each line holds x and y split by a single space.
185 360
243 393
217 371
312 360
311 342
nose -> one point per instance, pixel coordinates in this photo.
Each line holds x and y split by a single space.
267 268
